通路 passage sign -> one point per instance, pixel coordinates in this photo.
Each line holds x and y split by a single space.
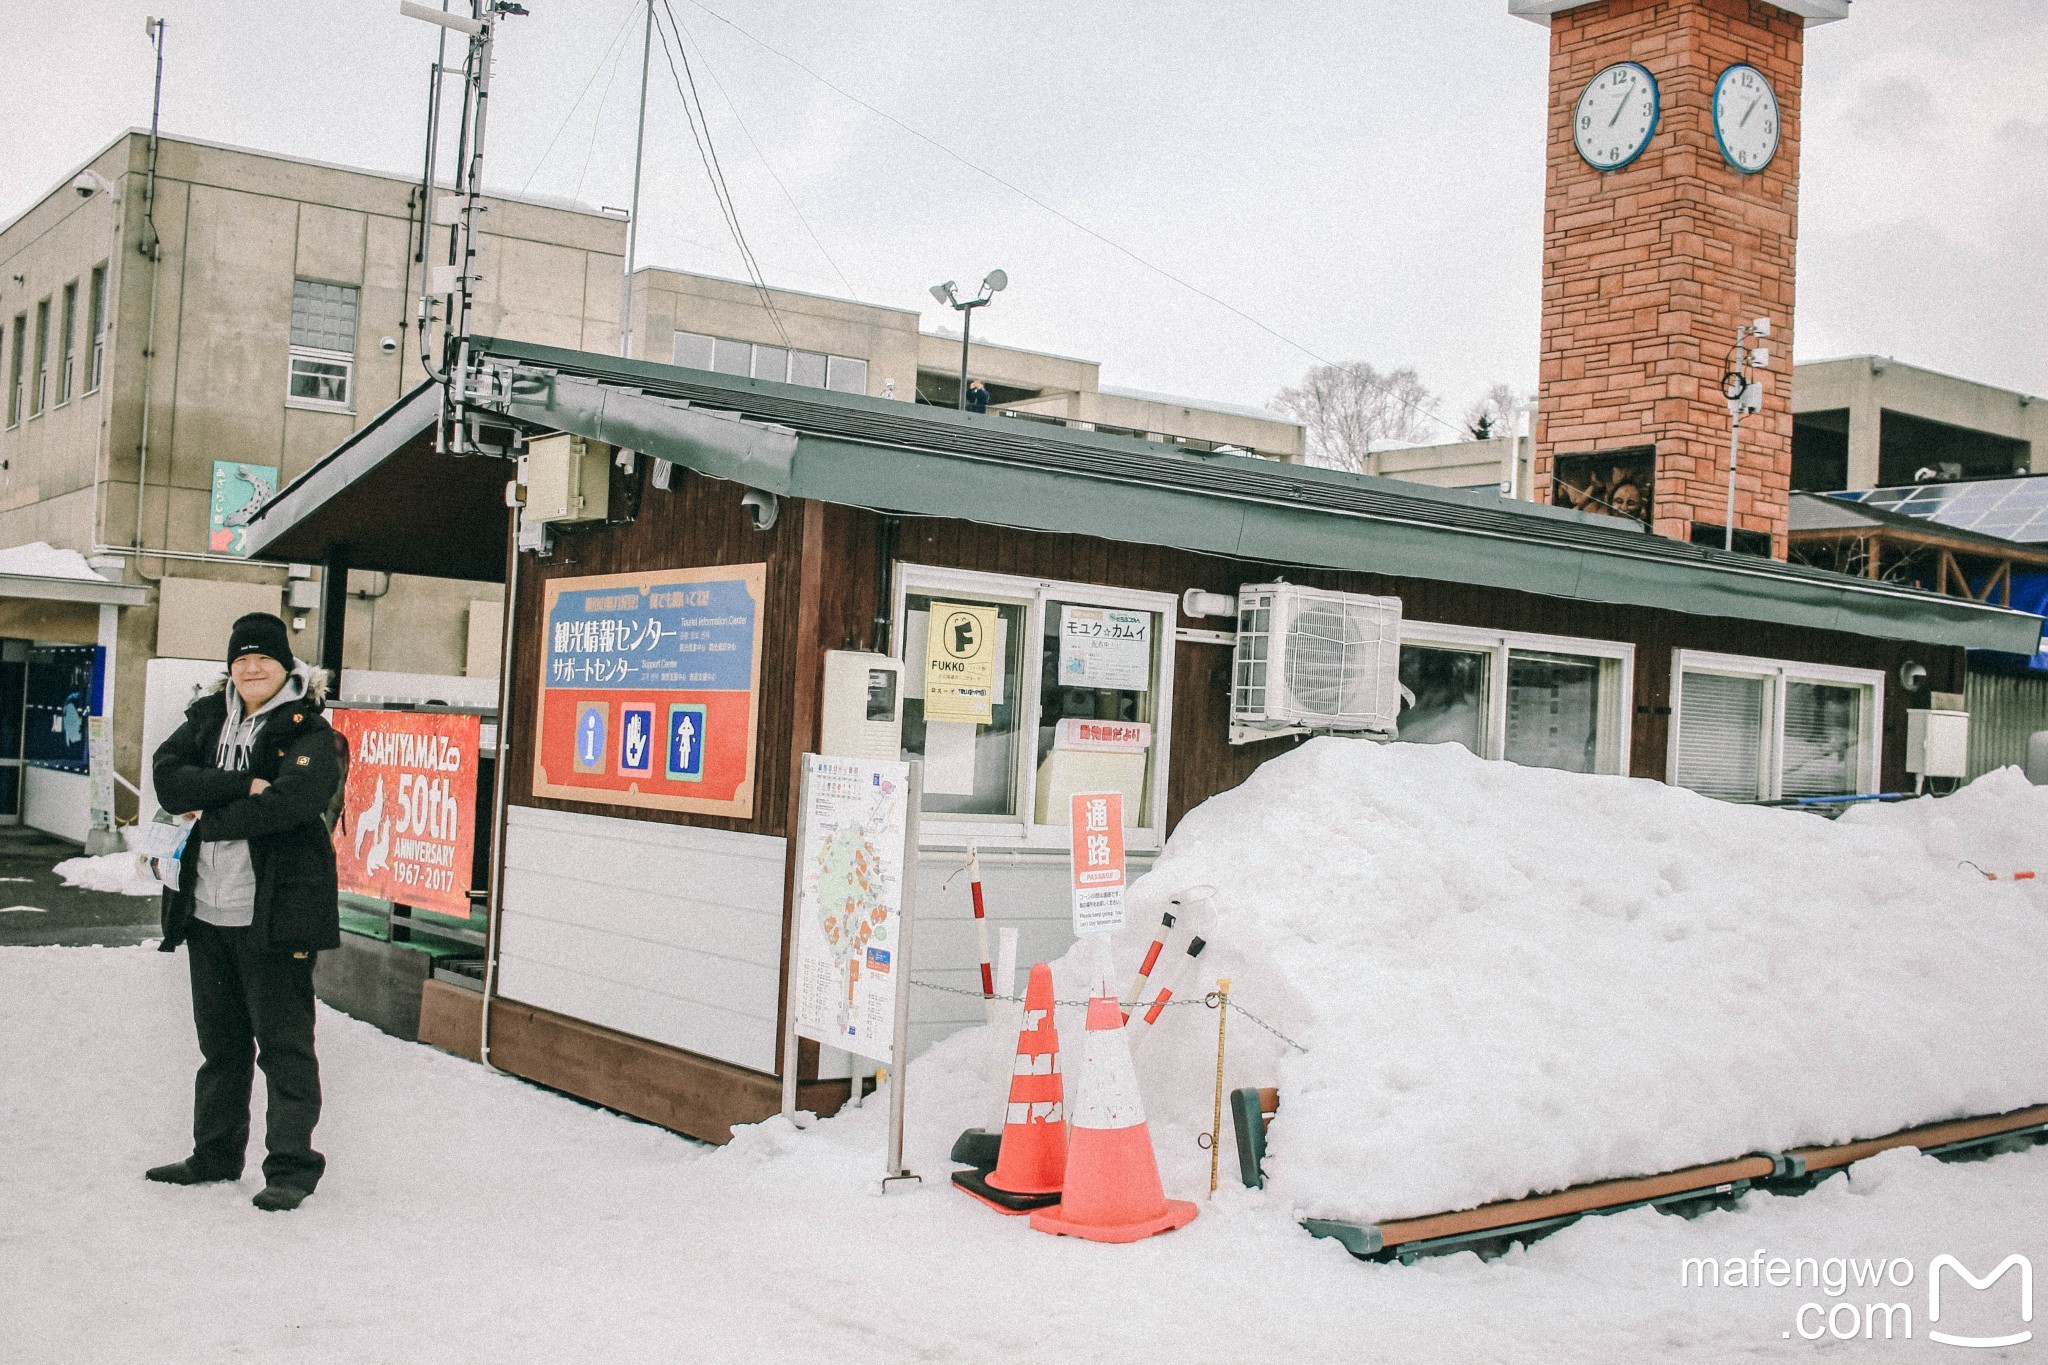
650 689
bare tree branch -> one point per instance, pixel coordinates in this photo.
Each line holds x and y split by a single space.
1346 408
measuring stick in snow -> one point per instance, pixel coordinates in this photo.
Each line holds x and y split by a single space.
1137 987
1140 1027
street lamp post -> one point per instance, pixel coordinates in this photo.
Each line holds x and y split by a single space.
995 282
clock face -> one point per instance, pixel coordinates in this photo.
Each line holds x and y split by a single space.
1617 113
1746 118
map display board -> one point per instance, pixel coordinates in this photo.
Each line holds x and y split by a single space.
650 689
849 946
408 827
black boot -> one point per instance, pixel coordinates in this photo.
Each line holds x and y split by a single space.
186 1173
278 1198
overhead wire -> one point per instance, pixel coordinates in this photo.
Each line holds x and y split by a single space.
766 164
1041 204
630 9
700 132
597 122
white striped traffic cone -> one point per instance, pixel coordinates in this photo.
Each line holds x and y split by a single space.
1112 1189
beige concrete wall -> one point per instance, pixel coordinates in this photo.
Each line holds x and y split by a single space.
1057 376
1867 385
1458 464
669 301
236 228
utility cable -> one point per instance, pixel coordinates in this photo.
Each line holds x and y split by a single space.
597 122
1070 221
569 113
694 114
766 165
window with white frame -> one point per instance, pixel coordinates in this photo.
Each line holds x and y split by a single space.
746 359
67 348
1063 651
323 355
1542 701
40 379
96 327
1746 729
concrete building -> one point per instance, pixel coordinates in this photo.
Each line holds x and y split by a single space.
154 397
1869 421
177 340
1857 423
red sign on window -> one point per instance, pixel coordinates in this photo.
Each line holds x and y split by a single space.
1098 833
408 827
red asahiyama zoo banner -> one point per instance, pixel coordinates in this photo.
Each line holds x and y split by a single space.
408 826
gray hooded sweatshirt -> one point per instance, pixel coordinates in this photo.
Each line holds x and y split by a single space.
226 893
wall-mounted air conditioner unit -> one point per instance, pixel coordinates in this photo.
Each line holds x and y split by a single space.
1309 659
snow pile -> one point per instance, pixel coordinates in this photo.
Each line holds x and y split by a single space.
40 559
1510 980
120 873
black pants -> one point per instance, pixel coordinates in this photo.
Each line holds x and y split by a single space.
253 1008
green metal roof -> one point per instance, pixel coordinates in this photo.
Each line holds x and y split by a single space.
921 461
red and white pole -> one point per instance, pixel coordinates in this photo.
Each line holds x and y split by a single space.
1137 987
988 981
1140 1028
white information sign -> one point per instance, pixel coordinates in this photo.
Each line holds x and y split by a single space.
1106 647
849 904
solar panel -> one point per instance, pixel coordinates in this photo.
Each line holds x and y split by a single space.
2012 509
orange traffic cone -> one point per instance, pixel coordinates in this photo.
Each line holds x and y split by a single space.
1112 1185
1033 1158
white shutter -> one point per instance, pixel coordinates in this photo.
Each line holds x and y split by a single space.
1823 733
1720 735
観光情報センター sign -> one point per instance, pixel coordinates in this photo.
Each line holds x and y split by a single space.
650 689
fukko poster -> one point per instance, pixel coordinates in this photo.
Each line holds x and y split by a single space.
650 689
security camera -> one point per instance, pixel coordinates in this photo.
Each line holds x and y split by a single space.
762 507
88 183
388 345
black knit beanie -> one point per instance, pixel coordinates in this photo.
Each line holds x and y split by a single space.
261 633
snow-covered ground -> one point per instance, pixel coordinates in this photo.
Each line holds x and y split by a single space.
1510 980
470 1217
120 873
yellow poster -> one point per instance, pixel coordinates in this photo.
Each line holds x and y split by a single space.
960 663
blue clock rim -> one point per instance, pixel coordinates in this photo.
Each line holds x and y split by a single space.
1722 142
1656 112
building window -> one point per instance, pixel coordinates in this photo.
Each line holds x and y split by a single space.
745 359
67 327
96 328
1745 729
323 352
845 375
39 378
1537 700
14 381
1063 652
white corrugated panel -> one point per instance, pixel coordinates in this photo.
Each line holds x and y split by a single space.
667 932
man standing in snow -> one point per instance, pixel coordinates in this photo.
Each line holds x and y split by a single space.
257 762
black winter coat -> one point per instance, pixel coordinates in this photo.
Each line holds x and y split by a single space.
297 907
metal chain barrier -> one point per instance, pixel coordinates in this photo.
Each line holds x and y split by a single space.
1209 1001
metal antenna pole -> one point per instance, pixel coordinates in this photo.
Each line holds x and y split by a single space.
1734 440
633 214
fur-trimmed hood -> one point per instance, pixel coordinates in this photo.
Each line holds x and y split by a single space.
316 682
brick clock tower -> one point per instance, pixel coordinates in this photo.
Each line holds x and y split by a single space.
1670 220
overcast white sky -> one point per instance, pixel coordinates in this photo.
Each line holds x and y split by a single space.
1362 176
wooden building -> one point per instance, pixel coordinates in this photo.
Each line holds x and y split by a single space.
642 937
